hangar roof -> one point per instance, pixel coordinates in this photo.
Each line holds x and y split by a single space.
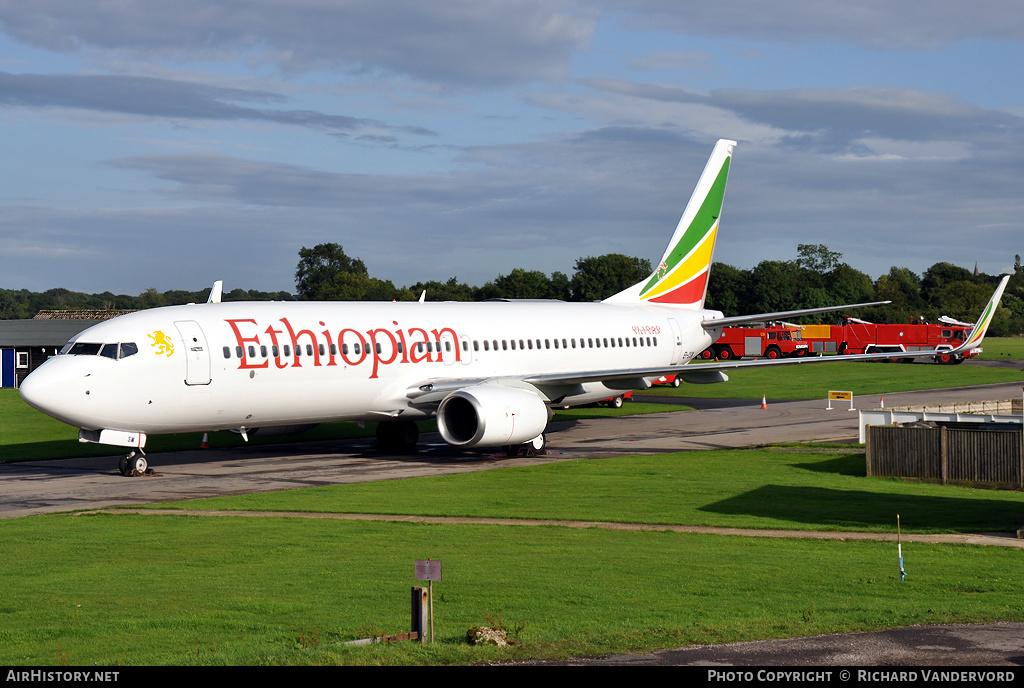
54 333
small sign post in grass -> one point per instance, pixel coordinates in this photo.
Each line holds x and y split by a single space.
429 571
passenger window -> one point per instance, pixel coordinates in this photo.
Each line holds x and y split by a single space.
227 352
487 345
323 351
238 352
252 351
287 350
263 351
276 351
309 349
109 351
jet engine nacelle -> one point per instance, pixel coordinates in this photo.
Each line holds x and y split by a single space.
491 416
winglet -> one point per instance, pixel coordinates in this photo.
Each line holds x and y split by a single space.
980 327
681 278
216 292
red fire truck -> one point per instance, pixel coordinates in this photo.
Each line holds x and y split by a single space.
860 337
771 341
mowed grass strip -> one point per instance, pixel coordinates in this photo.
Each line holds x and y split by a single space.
814 380
131 589
755 488
1002 348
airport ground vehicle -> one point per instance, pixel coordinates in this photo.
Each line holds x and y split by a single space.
772 341
860 337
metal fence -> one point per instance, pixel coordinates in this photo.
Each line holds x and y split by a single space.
981 458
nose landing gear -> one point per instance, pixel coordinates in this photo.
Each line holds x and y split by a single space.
133 463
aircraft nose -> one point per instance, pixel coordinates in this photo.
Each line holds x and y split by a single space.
46 389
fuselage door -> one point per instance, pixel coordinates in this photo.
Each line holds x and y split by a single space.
677 342
197 354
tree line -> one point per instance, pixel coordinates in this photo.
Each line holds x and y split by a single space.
816 277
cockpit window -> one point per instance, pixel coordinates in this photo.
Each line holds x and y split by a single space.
114 351
85 349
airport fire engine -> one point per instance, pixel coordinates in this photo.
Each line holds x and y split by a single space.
771 341
860 337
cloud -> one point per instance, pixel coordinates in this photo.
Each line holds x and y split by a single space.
153 97
876 24
476 42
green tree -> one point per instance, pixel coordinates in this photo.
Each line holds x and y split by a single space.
317 274
598 278
817 258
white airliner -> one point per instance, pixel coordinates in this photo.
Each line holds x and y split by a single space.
489 372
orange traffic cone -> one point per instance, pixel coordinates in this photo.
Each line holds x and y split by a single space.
206 441
764 402
881 400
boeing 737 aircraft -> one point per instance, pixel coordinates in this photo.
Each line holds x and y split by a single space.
489 372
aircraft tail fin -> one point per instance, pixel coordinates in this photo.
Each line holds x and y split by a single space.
981 327
681 278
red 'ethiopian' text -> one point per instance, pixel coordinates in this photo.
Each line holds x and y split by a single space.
351 347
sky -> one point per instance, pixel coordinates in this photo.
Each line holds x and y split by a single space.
170 144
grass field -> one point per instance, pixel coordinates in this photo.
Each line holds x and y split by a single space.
1002 348
130 589
815 380
751 488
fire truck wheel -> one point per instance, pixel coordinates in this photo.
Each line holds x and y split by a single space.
842 348
772 353
944 358
725 353
707 354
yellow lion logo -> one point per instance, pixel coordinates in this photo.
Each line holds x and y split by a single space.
162 343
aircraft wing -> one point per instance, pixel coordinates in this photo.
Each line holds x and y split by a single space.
715 323
556 385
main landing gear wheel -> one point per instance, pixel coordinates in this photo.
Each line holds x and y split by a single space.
133 463
397 436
